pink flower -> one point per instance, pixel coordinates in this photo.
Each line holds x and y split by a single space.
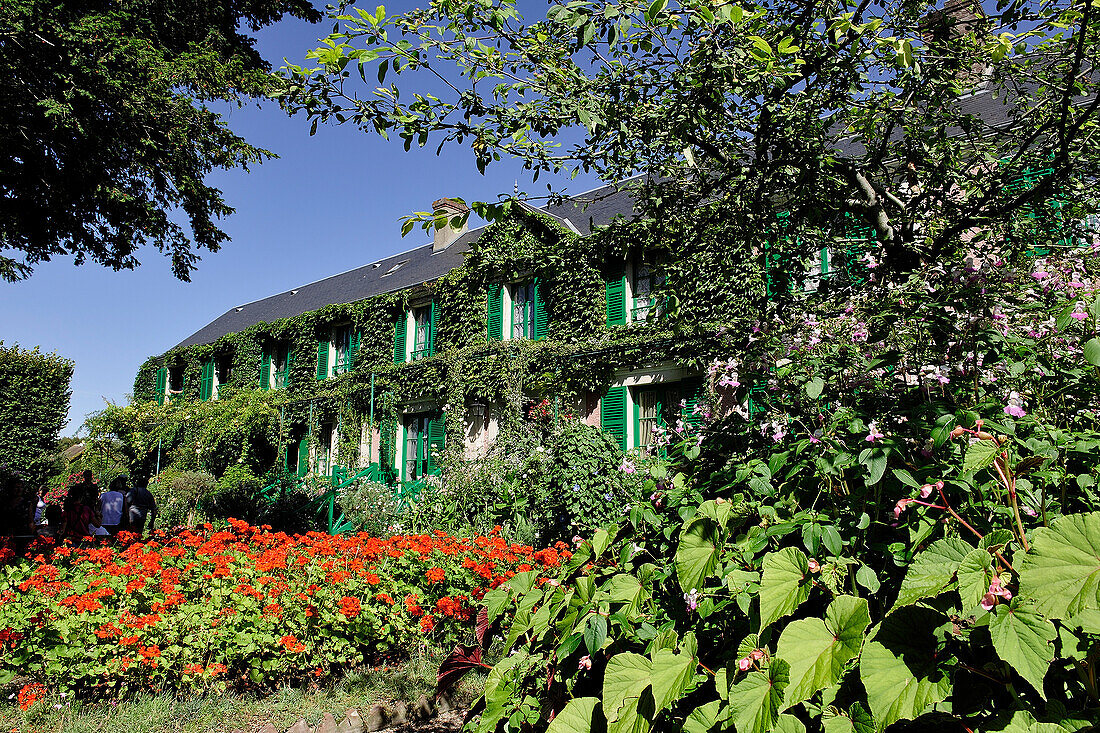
814 566
900 507
1014 410
1040 275
1029 511
926 491
872 433
996 590
585 663
756 654
1078 315
627 466
744 664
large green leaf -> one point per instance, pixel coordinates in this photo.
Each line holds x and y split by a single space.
980 454
1091 350
697 553
788 724
703 718
626 677
932 570
817 649
1022 638
755 700
899 667
785 584
1061 573
576 717
974 574
672 675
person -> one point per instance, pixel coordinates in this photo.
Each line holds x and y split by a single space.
40 508
142 506
77 510
111 505
52 527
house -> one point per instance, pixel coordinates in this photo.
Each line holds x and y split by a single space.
433 351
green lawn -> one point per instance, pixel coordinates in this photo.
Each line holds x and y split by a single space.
230 712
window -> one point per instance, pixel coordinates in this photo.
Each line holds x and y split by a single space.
275 367
175 382
423 444
281 367
647 305
523 311
346 346
657 408
423 331
324 450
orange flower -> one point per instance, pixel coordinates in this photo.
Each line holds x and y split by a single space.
292 645
427 624
435 575
30 694
349 606
149 652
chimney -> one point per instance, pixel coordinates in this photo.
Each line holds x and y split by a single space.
447 234
957 19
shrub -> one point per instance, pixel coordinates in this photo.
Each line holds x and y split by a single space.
180 495
34 401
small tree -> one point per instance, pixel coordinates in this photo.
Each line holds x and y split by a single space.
34 401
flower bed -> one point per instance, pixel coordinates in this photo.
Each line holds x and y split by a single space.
239 607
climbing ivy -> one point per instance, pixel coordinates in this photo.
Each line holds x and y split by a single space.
579 356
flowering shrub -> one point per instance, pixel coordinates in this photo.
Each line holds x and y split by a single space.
239 607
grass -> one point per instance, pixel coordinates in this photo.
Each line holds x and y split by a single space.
160 713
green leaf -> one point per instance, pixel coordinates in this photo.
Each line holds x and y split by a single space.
575 717
595 632
656 7
600 540
906 478
1063 318
875 460
932 570
856 720
980 455
755 700
867 577
814 387
1062 570
817 650
1022 639
788 724
785 584
1091 350
671 677
697 554
624 680
702 718
974 575
626 588
899 666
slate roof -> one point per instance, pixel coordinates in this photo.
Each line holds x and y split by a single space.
420 266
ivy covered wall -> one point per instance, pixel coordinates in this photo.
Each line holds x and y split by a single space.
579 354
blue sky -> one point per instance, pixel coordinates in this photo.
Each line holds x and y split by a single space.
330 203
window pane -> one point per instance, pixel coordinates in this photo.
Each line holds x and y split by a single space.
648 415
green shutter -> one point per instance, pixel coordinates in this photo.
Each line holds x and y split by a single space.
437 434
303 456
615 289
613 414
162 384
322 359
206 383
387 432
265 372
695 393
353 349
289 363
400 329
495 310
431 329
539 330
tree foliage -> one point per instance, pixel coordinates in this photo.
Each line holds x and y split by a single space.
34 401
107 126
878 114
